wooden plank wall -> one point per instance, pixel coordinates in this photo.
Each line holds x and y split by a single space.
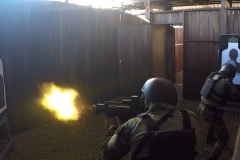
135 67
57 42
201 44
201 35
233 21
178 50
167 17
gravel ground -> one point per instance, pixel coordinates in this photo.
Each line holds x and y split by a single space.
82 139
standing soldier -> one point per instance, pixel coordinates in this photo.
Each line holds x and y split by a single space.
214 94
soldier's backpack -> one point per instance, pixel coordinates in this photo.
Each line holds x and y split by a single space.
168 145
208 87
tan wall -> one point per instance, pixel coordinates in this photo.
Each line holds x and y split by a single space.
178 50
163 51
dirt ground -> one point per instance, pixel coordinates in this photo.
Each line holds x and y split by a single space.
82 139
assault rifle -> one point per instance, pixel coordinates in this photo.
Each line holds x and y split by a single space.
126 109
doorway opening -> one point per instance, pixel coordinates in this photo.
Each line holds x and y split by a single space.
178 53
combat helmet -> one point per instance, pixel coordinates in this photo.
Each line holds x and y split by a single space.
158 90
228 69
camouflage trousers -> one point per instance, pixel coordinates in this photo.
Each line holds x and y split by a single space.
216 127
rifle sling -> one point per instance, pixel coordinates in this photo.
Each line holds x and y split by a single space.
186 120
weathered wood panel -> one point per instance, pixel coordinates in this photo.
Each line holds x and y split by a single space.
201 44
178 58
233 21
178 49
199 58
135 60
165 17
57 42
201 25
201 37
127 19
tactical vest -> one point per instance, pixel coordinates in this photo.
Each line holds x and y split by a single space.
168 145
208 90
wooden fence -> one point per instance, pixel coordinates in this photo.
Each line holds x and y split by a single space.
69 45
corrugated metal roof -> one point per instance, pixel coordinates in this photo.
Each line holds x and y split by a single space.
178 4
181 3
159 5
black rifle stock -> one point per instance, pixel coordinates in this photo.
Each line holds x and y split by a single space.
125 109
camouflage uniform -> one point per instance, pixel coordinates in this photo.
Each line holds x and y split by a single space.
126 137
212 114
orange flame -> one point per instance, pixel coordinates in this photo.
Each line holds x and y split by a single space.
60 101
